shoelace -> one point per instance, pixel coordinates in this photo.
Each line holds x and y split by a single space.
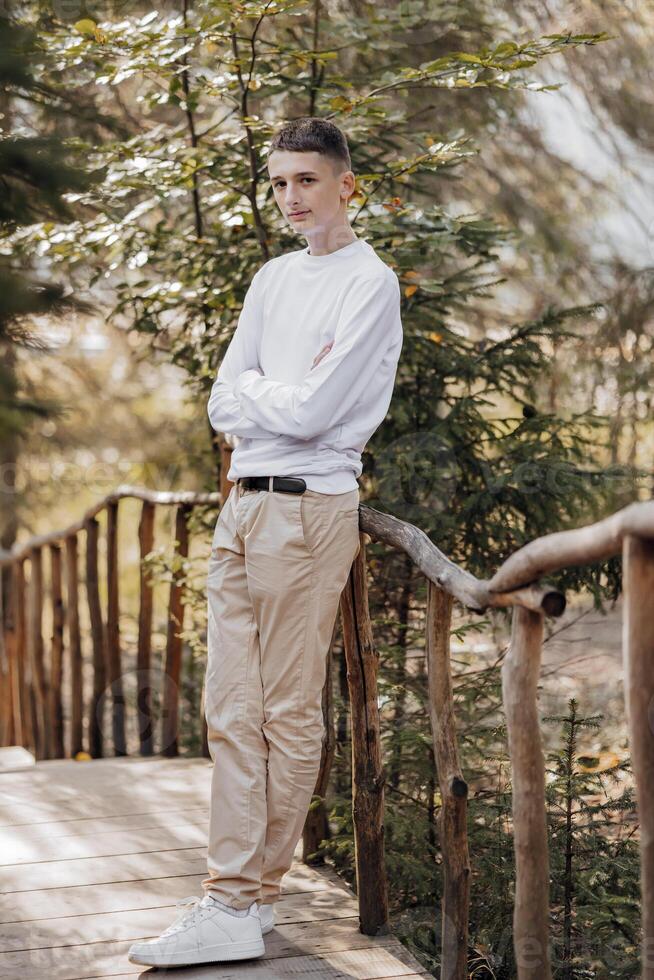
190 907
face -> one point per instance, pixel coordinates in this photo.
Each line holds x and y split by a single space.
310 190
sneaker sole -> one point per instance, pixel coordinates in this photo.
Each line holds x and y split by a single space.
209 954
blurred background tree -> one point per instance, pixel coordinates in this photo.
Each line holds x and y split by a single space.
186 216
37 170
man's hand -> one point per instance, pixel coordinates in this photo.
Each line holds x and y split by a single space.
318 358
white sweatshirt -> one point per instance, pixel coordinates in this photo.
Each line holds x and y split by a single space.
287 418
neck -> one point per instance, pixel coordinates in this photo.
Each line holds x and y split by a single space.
329 240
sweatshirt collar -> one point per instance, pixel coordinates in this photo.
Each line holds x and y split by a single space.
315 261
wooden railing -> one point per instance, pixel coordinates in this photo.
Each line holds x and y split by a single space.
31 699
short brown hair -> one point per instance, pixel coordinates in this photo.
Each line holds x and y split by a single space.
309 133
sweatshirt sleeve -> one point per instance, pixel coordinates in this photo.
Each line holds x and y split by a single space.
225 413
366 329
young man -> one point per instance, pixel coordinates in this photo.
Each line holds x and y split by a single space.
306 380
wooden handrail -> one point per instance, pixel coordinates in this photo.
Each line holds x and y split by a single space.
137 493
471 592
578 546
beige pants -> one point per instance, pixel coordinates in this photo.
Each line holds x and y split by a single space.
279 562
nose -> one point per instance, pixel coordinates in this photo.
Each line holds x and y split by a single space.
292 200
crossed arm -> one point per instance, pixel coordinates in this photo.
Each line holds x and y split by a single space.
244 402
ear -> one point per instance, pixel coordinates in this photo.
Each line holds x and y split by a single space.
348 184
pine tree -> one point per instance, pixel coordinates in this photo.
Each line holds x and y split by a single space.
593 856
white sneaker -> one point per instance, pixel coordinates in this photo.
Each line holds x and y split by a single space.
267 916
204 933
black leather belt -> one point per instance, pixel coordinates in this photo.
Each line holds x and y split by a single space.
287 484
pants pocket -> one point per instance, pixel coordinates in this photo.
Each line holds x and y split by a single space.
313 513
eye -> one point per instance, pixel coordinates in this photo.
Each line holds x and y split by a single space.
282 182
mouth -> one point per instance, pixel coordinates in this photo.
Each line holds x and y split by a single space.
297 214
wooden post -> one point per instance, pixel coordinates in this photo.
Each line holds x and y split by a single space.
143 664
74 648
454 790
16 731
22 657
170 720
20 730
368 776
114 668
520 673
35 635
96 706
7 717
56 653
638 653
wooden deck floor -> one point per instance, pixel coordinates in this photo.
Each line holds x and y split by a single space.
94 855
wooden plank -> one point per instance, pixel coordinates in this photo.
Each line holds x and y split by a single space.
184 834
49 783
70 810
85 781
90 871
99 767
75 826
103 959
127 867
191 974
144 923
298 902
122 801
